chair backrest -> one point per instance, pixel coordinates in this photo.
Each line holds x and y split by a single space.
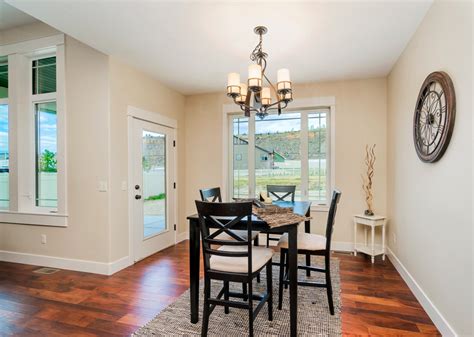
281 192
224 216
336 196
211 194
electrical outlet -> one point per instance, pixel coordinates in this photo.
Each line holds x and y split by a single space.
124 185
394 238
43 239
102 186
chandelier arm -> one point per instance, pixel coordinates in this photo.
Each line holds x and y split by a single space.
244 106
272 107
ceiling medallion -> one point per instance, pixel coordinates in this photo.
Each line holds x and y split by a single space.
255 96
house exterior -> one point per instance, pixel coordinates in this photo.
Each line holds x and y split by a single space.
264 158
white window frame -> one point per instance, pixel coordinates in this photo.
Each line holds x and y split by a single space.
22 140
305 106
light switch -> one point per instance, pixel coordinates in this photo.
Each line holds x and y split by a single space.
124 185
102 186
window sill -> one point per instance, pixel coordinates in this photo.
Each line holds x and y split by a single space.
319 208
37 219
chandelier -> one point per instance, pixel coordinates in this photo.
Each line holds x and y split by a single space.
255 96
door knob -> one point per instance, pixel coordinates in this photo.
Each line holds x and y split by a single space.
138 196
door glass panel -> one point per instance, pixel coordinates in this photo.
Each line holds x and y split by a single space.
154 183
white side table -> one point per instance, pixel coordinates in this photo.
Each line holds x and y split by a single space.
372 222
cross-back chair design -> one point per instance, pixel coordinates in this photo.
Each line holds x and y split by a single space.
311 244
211 194
235 261
281 193
214 195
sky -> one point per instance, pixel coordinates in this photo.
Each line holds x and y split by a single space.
48 130
274 123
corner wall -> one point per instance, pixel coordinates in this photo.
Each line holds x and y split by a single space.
86 237
129 86
430 204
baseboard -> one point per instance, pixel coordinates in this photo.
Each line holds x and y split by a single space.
341 246
119 264
86 266
435 315
182 236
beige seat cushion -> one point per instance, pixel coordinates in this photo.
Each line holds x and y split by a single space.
260 256
241 233
306 241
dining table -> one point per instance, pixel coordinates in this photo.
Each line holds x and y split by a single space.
298 207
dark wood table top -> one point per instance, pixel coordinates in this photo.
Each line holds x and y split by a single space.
299 207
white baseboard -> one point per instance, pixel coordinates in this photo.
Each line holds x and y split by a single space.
119 264
438 319
182 236
95 267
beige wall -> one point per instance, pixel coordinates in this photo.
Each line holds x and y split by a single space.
86 236
360 119
129 86
430 204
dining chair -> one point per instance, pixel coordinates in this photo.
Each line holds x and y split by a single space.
311 244
281 193
234 261
214 195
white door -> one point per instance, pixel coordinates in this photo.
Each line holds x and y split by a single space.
153 187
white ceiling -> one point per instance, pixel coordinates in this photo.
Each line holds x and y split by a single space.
11 17
191 46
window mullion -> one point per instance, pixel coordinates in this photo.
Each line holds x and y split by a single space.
251 156
304 155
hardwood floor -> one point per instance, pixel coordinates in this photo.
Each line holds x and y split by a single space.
375 299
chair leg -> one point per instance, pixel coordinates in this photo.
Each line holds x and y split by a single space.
328 283
226 296
268 240
308 264
287 264
250 310
244 291
280 279
205 314
255 243
270 290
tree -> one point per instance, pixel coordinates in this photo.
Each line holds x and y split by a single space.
48 162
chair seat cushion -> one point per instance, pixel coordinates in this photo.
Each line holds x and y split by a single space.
306 241
260 256
242 233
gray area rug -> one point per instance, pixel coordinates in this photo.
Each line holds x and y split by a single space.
314 318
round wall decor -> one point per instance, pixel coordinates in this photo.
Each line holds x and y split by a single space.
433 121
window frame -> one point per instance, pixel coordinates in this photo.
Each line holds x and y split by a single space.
22 139
305 107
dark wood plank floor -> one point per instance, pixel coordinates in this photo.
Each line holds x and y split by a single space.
376 301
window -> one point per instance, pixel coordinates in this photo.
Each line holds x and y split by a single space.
43 96
46 151
290 149
240 126
4 148
32 168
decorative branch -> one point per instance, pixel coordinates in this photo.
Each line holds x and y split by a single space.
367 180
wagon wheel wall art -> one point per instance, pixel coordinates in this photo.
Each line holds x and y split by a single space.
434 116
